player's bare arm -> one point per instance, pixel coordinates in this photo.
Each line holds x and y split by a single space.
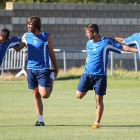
86 59
21 44
52 55
129 49
117 39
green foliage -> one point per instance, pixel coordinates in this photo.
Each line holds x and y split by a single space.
3 2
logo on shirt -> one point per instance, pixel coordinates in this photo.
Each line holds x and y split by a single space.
35 42
95 45
94 48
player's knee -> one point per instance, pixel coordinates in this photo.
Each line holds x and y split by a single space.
99 101
46 95
37 95
79 96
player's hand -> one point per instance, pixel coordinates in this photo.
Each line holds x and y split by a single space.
56 73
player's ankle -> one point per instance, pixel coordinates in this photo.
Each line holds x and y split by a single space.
97 123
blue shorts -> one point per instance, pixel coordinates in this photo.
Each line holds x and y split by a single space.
88 81
38 77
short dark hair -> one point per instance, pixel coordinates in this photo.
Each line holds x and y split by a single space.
36 22
92 27
4 32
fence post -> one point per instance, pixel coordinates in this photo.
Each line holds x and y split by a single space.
64 57
111 63
2 68
135 61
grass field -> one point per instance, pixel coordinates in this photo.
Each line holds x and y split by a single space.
69 118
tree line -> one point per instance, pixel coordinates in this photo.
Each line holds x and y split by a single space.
3 2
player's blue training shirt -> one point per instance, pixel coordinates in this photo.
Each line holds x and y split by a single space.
97 53
9 43
38 55
134 40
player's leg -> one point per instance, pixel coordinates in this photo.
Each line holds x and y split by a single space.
38 93
99 111
39 107
84 85
37 101
80 94
33 85
46 84
44 91
45 81
100 90
100 108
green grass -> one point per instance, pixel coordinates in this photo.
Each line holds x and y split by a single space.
69 118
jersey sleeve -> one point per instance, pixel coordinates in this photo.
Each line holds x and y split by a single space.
131 40
15 41
114 46
46 35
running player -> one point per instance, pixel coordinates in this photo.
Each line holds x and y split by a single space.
95 69
40 48
7 42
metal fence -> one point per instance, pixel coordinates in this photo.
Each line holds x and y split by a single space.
16 60
112 60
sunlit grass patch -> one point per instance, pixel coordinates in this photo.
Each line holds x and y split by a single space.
124 74
8 76
76 72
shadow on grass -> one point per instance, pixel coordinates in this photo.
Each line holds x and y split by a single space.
101 125
68 77
70 125
44 126
63 125
120 125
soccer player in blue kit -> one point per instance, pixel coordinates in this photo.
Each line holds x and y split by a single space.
95 68
133 40
7 42
40 48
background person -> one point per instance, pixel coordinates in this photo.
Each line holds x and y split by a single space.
133 40
95 68
7 42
